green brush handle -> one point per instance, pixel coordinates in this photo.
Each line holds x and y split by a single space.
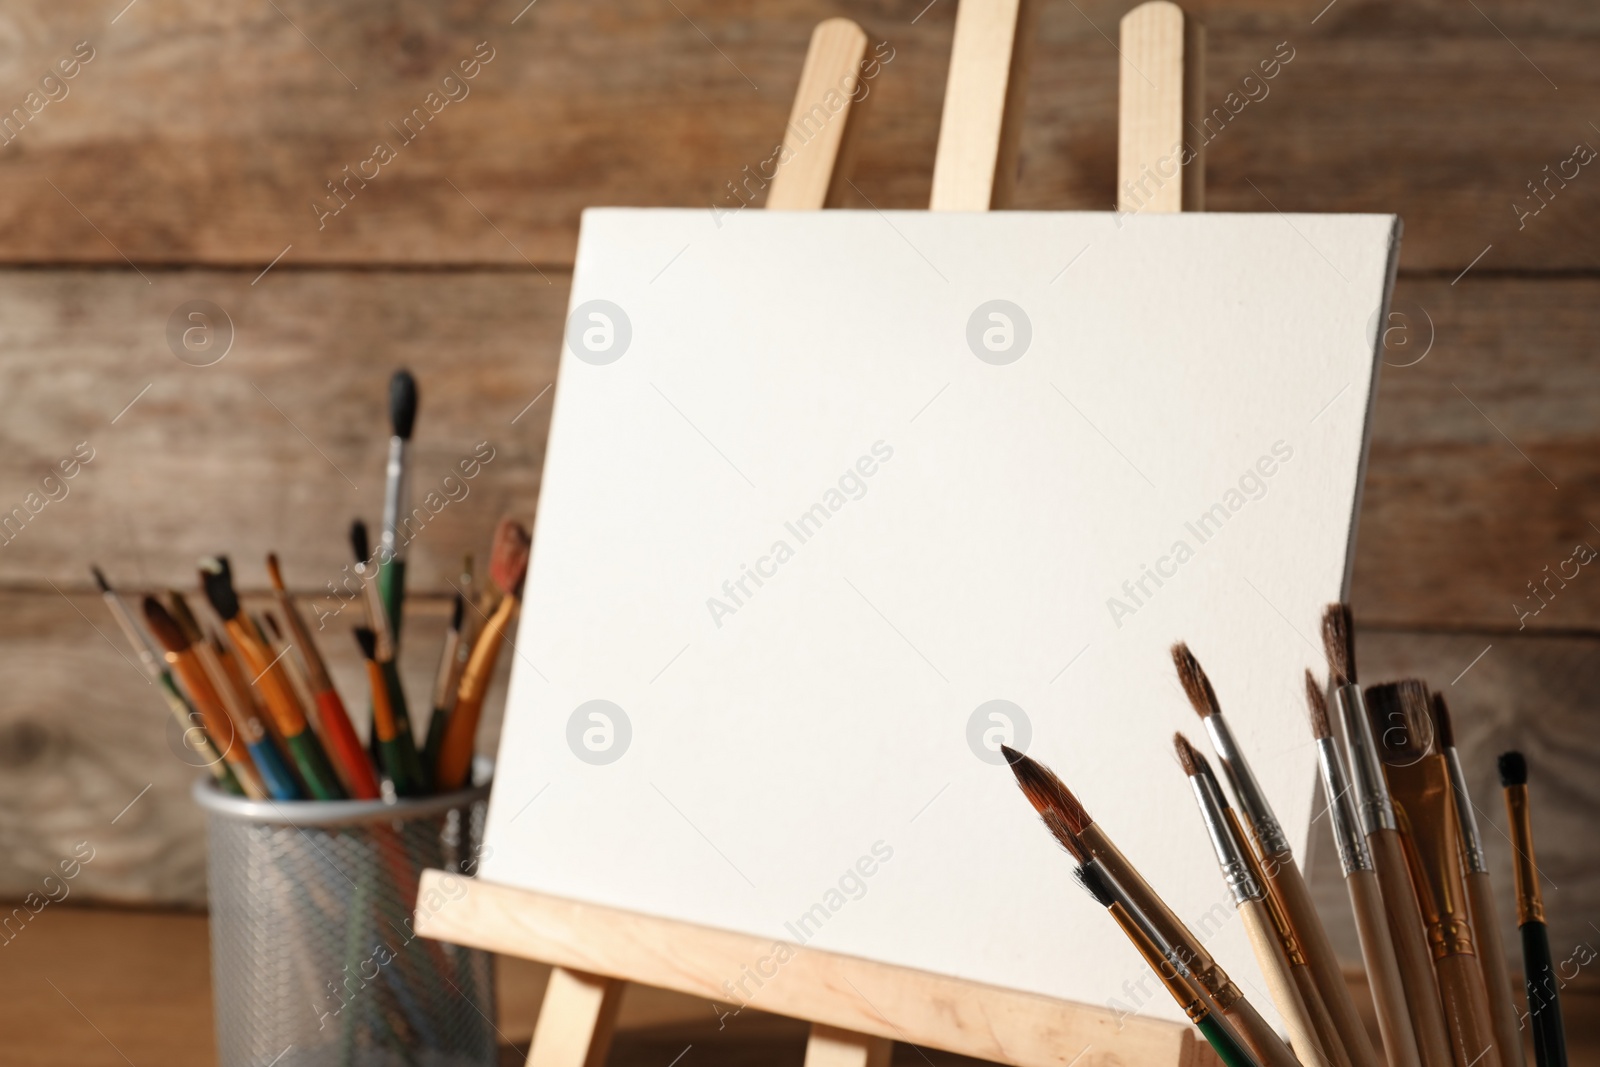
1544 1002
189 719
412 763
312 762
1227 1049
392 591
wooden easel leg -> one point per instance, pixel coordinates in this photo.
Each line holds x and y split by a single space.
831 1047
575 1021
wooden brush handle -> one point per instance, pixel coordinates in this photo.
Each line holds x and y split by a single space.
1383 970
1411 948
461 730
1321 1021
1281 985
1496 970
1466 1011
1323 962
1261 1037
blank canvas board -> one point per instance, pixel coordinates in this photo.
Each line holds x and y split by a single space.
835 501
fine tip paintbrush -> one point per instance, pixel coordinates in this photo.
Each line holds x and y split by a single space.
508 567
1420 785
446 681
1184 990
216 578
1071 825
1480 898
1285 883
1538 967
1271 938
1381 827
397 496
350 760
1361 882
154 666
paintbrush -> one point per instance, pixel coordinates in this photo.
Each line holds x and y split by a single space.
1419 783
1480 898
1067 820
216 577
445 682
397 498
1272 939
508 566
344 746
1366 900
1211 1025
1287 886
218 723
1382 830
383 635
1538 967
151 662
400 762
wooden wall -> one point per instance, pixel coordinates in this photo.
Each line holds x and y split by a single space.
184 162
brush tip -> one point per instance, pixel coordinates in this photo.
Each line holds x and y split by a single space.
368 642
216 579
1338 643
402 403
1317 704
274 572
1047 793
508 557
163 627
1513 769
1401 720
1196 686
1188 758
1094 883
100 579
1441 722
184 617
360 544
458 612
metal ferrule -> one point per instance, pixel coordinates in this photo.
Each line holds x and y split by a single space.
1373 806
1235 871
1354 855
1530 902
1472 857
1252 801
396 491
130 629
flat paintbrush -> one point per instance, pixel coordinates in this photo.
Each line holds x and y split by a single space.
508 566
1348 1041
1420 785
1366 899
1067 818
154 667
1382 829
1538 966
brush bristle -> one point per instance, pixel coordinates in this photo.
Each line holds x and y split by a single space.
1338 643
1196 686
216 578
1094 884
1045 791
1400 720
273 631
402 403
164 627
368 642
100 579
508 558
1513 769
1441 722
1317 704
458 612
1189 758
359 543
183 616
274 573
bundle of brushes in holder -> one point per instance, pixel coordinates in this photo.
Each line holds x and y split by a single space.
1413 863
295 791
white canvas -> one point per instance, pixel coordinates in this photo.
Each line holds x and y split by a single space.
830 721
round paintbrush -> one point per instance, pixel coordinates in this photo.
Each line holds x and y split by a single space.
397 497
1538 966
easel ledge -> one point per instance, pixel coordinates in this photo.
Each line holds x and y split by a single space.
843 993
858 1008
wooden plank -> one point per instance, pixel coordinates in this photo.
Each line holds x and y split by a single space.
831 1047
852 994
207 140
814 166
975 167
576 1020
1161 165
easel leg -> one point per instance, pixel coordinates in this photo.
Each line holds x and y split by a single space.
830 1047
575 1021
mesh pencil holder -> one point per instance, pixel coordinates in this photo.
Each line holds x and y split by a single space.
312 943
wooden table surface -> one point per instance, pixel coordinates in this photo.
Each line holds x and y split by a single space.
92 987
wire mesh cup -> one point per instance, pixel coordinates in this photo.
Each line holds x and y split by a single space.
314 958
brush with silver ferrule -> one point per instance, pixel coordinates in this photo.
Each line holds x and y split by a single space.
397 497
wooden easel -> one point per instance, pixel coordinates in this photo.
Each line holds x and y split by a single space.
857 1008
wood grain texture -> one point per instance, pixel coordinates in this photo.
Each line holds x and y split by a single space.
853 994
203 135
